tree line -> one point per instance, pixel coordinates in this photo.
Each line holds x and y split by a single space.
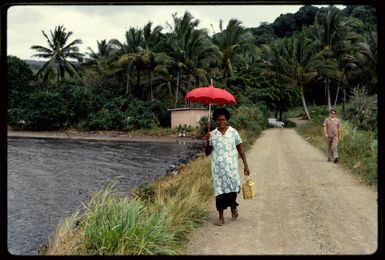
317 55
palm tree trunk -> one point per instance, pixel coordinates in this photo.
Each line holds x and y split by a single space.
327 81
338 89
128 80
169 88
138 94
177 89
151 93
58 75
304 103
189 87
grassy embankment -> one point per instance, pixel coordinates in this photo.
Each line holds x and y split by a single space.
158 219
357 149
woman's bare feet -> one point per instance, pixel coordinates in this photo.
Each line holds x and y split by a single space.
220 222
234 214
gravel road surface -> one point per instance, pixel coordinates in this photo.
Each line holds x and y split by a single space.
304 206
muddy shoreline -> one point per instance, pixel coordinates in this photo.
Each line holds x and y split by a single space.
195 147
99 135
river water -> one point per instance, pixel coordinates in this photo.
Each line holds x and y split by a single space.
49 178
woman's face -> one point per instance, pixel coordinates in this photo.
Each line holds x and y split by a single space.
221 122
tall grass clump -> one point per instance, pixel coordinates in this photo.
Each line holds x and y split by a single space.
184 198
116 225
358 150
113 224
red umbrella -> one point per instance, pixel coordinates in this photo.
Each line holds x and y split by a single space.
210 95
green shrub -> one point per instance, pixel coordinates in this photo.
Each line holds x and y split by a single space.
159 109
203 128
252 118
145 192
19 82
16 117
79 103
362 110
141 115
318 112
44 111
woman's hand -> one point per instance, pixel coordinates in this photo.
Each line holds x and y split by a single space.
206 137
246 171
208 148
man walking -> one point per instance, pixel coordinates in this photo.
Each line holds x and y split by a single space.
332 127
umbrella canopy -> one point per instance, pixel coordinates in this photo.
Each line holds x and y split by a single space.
210 95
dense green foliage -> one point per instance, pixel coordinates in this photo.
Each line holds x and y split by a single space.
315 56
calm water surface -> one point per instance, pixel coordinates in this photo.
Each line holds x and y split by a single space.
48 179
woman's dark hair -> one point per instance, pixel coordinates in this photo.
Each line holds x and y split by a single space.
219 112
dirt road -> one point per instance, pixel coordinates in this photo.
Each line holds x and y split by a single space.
305 206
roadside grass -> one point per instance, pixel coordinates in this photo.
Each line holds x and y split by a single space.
294 112
357 149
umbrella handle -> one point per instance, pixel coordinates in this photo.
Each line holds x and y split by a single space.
209 122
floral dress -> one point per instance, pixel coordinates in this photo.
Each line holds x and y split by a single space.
224 161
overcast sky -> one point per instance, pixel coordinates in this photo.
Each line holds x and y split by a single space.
95 23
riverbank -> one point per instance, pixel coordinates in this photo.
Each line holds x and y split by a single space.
100 135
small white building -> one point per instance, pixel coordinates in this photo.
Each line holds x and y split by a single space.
187 116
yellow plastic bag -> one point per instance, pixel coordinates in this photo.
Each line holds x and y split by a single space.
248 188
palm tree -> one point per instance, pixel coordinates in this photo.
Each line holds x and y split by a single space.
58 52
231 41
125 56
294 61
137 54
189 54
100 59
148 52
346 51
334 32
366 55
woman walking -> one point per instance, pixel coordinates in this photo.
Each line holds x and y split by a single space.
224 145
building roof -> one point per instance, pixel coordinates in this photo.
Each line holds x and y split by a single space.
187 108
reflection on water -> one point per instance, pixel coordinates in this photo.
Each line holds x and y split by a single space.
48 180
